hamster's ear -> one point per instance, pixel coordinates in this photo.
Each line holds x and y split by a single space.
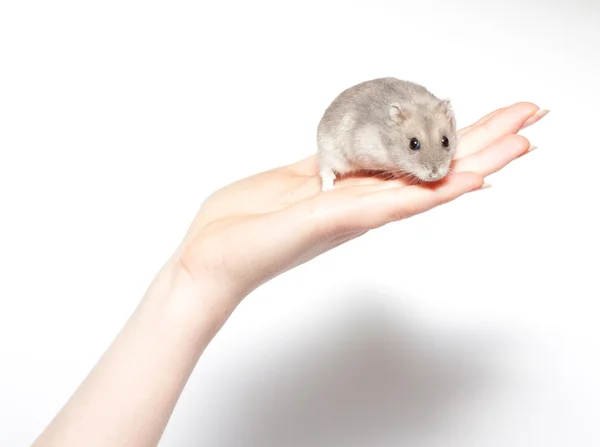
445 106
397 112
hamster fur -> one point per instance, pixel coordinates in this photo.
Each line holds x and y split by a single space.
389 125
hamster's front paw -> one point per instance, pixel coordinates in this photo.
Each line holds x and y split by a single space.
327 179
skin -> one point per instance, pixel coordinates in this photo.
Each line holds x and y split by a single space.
242 236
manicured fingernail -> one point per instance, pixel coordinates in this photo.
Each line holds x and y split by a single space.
535 118
484 186
530 149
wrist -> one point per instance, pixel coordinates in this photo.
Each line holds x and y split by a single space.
198 302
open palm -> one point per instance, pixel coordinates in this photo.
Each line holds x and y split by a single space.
257 228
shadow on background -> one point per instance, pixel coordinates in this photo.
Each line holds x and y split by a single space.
367 379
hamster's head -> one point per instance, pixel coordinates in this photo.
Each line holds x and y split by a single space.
422 139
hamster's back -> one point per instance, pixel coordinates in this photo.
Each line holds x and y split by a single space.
368 101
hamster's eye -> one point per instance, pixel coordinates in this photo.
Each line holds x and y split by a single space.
445 142
414 144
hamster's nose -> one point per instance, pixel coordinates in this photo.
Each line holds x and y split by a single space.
435 174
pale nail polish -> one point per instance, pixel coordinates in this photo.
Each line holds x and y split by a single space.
531 148
542 113
484 186
535 118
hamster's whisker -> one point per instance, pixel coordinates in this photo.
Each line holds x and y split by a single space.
408 177
401 174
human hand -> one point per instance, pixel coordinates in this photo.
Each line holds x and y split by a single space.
257 228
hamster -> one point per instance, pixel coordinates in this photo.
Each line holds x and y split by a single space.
387 125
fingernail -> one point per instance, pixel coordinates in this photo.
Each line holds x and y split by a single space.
535 118
530 149
542 113
484 186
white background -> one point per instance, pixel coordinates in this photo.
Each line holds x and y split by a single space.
475 324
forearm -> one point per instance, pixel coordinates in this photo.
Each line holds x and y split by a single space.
130 394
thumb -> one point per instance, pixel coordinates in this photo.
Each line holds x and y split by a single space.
368 207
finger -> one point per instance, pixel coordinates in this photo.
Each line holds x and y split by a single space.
353 180
494 157
309 167
485 119
348 182
508 121
367 178
368 207
394 204
535 118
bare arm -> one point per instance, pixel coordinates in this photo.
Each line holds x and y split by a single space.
130 394
233 246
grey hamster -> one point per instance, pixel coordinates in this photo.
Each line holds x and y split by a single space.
388 125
